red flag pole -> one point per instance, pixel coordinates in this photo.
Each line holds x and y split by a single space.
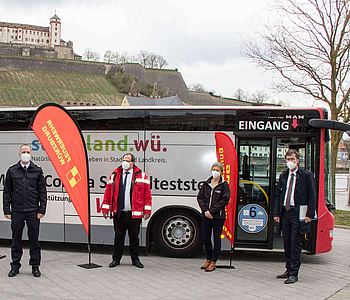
89 265
227 155
56 129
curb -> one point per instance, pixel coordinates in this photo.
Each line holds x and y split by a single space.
342 227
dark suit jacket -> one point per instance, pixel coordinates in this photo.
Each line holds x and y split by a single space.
304 194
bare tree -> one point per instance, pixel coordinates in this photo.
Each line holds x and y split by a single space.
309 48
240 95
109 56
152 60
133 59
116 57
143 57
124 57
197 87
95 56
161 62
88 54
259 97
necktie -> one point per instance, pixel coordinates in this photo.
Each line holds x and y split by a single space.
289 193
124 185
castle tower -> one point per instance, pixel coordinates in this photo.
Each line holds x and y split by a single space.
55 31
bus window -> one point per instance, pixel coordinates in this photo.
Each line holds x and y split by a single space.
107 119
190 120
12 120
306 148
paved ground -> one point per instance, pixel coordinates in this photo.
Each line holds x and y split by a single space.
322 276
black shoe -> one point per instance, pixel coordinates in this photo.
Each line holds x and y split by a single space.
137 264
114 263
284 275
36 272
291 279
13 272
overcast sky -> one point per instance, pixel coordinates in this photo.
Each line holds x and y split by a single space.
202 39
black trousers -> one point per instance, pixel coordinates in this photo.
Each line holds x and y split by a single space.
18 219
210 226
121 224
292 240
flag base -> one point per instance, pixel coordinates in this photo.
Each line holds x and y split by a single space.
225 267
89 266
230 266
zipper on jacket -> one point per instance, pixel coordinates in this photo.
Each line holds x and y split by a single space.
212 190
25 188
211 195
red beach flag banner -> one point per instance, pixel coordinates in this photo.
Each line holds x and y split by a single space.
227 155
64 144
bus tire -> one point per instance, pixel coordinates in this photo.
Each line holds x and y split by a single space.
177 233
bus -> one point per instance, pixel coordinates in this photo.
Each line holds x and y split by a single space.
175 146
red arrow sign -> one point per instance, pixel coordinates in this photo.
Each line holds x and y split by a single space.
295 123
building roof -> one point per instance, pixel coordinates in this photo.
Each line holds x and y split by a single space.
169 101
24 26
55 17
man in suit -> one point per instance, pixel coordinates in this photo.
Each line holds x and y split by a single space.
128 199
295 195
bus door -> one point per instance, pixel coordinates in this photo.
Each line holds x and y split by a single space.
306 146
253 201
261 161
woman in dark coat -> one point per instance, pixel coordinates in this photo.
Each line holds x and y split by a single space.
212 198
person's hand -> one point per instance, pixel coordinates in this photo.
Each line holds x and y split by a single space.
8 217
105 215
307 220
39 216
277 219
208 214
146 217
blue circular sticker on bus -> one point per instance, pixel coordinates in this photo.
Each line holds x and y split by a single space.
252 218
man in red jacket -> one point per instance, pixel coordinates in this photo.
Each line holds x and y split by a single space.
127 198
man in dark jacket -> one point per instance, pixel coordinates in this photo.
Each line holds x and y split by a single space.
24 201
295 205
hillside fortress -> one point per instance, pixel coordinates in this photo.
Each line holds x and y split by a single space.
32 40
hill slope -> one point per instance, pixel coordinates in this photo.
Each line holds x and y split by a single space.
20 87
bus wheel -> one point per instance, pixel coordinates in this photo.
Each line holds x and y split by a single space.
177 233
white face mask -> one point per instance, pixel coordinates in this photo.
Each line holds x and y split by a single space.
215 174
291 165
125 165
25 157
